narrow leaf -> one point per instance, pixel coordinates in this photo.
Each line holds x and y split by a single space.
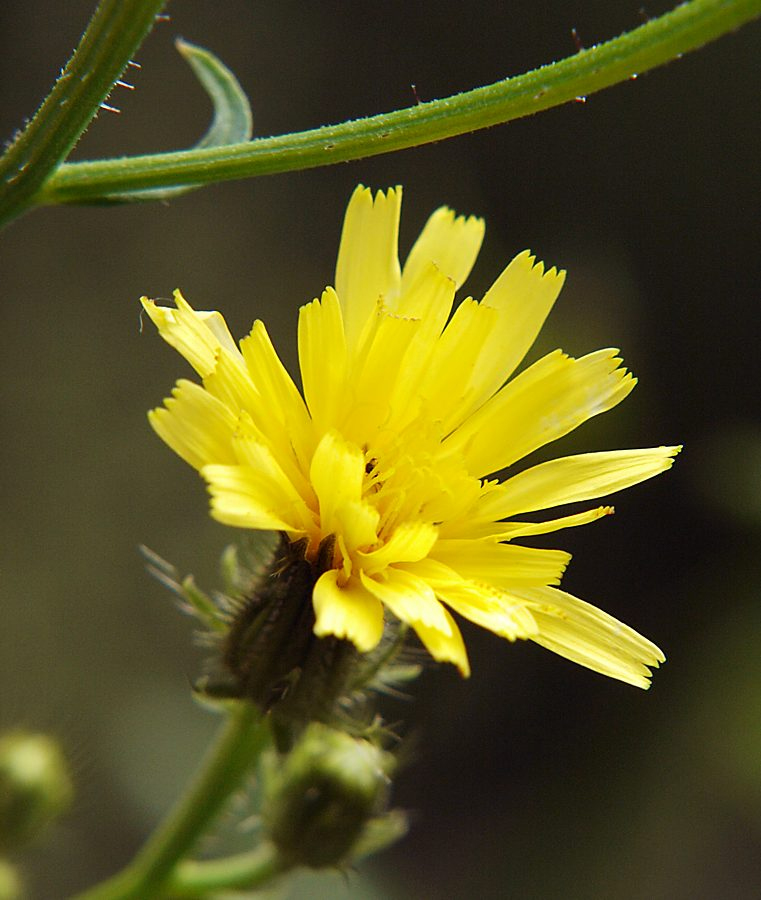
232 121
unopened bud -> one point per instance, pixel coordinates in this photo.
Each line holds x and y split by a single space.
320 797
35 786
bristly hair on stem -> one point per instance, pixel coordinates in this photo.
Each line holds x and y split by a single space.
657 41
111 39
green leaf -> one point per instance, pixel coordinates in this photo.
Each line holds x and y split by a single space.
232 122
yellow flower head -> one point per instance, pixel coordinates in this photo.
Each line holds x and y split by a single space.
407 409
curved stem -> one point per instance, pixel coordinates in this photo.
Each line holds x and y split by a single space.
245 871
115 32
685 28
235 754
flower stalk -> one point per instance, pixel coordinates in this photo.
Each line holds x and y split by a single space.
244 871
236 753
688 27
324 788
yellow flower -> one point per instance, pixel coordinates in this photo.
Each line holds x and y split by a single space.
407 408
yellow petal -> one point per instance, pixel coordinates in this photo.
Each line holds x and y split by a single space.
546 401
592 638
230 382
357 523
247 499
368 264
410 599
503 565
575 478
451 242
410 542
198 336
445 647
348 611
525 529
478 601
284 402
497 612
429 298
323 361
506 531
337 472
433 298
445 384
484 342
270 375
298 498
198 427
523 295
375 376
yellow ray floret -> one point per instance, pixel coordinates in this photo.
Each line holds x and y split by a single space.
572 479
407 408
197 426
589 636
347 610
198 336
450 242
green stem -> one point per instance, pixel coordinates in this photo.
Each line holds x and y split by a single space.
246 871
235 754
114 34
685 28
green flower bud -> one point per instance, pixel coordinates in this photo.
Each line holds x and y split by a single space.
35 786
320 797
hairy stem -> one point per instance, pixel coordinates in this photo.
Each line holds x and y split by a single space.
660 40
235 754
115 32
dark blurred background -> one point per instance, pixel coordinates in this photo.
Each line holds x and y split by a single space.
535 778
